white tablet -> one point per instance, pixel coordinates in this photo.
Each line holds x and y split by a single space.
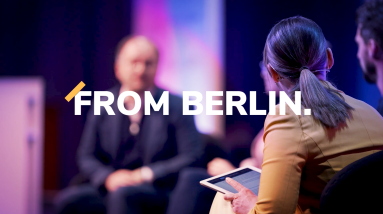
248 176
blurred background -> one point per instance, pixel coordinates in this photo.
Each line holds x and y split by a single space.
48 47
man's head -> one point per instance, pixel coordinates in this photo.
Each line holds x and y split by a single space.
369 37
136 63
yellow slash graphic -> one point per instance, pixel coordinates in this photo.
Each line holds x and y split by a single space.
73 93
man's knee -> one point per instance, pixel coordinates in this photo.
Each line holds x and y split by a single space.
130 193
79 199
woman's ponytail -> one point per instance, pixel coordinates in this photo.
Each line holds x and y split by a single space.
327 105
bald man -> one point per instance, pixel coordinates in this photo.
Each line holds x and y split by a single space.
132 162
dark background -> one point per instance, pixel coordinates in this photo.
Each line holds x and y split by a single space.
70 41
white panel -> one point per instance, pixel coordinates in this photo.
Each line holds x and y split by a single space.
21 137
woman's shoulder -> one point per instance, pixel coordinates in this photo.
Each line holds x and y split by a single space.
278 119
283 130
365 114
357 104
282 115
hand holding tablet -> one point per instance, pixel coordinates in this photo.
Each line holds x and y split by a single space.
248 177
240 187
243 201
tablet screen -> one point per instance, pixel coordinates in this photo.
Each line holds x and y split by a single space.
247 177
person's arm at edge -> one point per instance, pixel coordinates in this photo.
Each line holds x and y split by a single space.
255 151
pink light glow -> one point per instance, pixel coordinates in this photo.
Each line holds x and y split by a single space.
189 38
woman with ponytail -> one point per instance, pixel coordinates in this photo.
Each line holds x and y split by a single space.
303 152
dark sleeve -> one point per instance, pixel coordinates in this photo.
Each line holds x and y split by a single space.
88 163
189 144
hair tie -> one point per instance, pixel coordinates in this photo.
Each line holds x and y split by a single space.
303 68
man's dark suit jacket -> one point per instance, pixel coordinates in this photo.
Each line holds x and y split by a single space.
170 142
